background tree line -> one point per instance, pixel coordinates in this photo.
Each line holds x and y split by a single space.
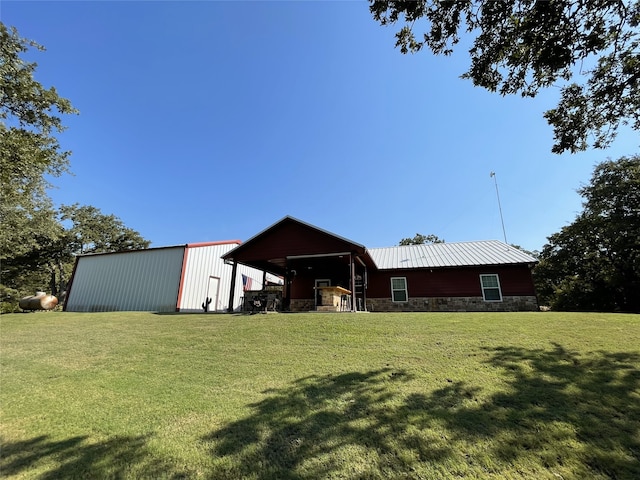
38 242
594 262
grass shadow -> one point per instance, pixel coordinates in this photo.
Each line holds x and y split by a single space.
315 427
76 457
576 415
560 413
571 400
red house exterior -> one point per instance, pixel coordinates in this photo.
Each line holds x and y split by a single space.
468 276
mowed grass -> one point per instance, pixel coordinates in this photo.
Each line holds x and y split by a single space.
311 396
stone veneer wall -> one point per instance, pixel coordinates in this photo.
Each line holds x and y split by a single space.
302 305
454 304
522 303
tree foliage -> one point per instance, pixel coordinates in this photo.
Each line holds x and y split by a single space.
522 46
533 253
420 239
30 118
594 262
93 232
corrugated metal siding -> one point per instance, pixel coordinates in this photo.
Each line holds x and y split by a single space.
204 262
489 252
144 280
452 282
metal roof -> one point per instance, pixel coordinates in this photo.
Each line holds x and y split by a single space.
436 255
188 245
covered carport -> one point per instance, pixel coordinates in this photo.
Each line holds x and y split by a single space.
308 258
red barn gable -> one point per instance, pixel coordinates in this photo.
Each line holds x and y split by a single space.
325 272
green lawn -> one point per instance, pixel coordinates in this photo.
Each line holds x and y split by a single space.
311 396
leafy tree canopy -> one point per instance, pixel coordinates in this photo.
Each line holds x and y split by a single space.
594 262
30 117
533 253
93 232
420 239
522 46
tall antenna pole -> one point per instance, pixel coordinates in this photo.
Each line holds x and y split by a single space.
495 181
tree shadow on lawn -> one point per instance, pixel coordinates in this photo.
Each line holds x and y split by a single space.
118 457
313 429
577 415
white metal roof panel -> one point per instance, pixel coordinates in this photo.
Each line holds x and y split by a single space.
436 255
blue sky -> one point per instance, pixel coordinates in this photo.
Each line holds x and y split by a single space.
208 121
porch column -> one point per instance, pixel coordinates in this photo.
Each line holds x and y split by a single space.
353 282
286 291
233 286
365 280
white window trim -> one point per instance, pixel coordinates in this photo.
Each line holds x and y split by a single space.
482 287
406 290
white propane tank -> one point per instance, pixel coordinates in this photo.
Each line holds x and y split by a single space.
39 301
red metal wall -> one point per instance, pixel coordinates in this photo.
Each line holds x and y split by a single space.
465 282
291 239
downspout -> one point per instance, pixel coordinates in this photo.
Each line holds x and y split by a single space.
233 286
